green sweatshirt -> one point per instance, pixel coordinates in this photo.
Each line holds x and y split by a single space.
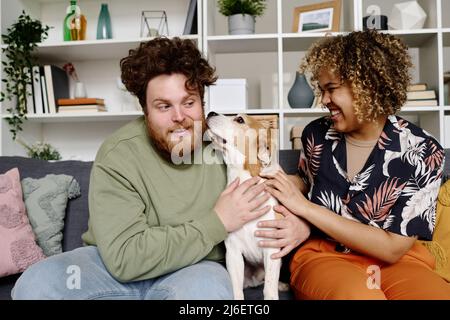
149 217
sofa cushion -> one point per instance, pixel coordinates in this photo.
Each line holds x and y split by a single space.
18 248
77 211
46 201
440 245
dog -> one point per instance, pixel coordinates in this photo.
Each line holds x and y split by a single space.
248 150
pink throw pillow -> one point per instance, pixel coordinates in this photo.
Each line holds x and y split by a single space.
18 248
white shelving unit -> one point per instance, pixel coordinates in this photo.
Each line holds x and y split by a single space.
79 136
268 60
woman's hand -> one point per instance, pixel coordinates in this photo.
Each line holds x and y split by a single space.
288 233
286 192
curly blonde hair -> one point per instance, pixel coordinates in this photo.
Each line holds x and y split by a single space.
376 65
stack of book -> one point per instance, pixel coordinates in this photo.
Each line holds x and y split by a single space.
48 84
81 105
447 87
419 95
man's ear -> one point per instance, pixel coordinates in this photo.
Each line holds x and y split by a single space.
264 147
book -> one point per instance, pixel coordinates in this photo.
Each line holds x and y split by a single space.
57 84
81 111
29 91
190 26
421 95
37 95
412 103
80 101
81 108
44 90
418 87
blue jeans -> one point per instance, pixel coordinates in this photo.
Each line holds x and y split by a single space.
81 274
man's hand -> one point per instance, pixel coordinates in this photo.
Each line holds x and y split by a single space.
239 203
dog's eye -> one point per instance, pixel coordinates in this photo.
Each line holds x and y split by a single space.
239 120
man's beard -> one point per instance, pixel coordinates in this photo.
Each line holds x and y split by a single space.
164 145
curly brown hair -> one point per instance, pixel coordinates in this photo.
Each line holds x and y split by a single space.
376 65
165 56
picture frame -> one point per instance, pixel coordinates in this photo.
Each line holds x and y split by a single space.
319 17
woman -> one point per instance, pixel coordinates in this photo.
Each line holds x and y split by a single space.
372 179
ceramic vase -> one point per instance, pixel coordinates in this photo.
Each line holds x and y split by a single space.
300 95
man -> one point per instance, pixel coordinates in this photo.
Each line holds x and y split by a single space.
156 228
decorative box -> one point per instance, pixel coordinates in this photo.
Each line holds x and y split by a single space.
296 134
228 95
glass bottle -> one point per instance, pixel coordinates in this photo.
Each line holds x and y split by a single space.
75 23
104 23
70 14
79 25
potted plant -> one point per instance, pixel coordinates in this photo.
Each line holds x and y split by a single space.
41 150
20 40
241 14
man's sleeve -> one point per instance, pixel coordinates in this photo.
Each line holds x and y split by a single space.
131 249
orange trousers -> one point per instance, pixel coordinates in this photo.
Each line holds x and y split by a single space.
319 272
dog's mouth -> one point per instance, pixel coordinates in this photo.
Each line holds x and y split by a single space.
216 139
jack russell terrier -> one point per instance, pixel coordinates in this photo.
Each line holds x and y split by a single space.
248 150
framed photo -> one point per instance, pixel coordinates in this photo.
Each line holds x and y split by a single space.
317 17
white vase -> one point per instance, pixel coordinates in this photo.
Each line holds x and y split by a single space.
79 90
241 24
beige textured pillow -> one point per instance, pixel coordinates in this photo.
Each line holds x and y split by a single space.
440 246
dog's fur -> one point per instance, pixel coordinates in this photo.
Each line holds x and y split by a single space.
248 149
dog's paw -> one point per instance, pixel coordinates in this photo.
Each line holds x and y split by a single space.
283 286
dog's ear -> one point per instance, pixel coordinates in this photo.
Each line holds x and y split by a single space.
264 146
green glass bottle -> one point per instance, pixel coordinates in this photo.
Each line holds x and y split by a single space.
70 14
104 23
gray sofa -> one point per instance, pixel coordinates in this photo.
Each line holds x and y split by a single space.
77 211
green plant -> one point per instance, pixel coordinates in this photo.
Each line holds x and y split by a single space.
41 150
20 39
252 7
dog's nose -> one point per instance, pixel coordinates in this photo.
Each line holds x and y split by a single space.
211 114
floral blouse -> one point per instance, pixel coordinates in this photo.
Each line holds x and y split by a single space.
397 188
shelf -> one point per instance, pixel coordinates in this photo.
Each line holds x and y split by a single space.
309 112
414 38
50 1
90 49
249 111
320 111
80 117
420 109
264 58
302 41
243 43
